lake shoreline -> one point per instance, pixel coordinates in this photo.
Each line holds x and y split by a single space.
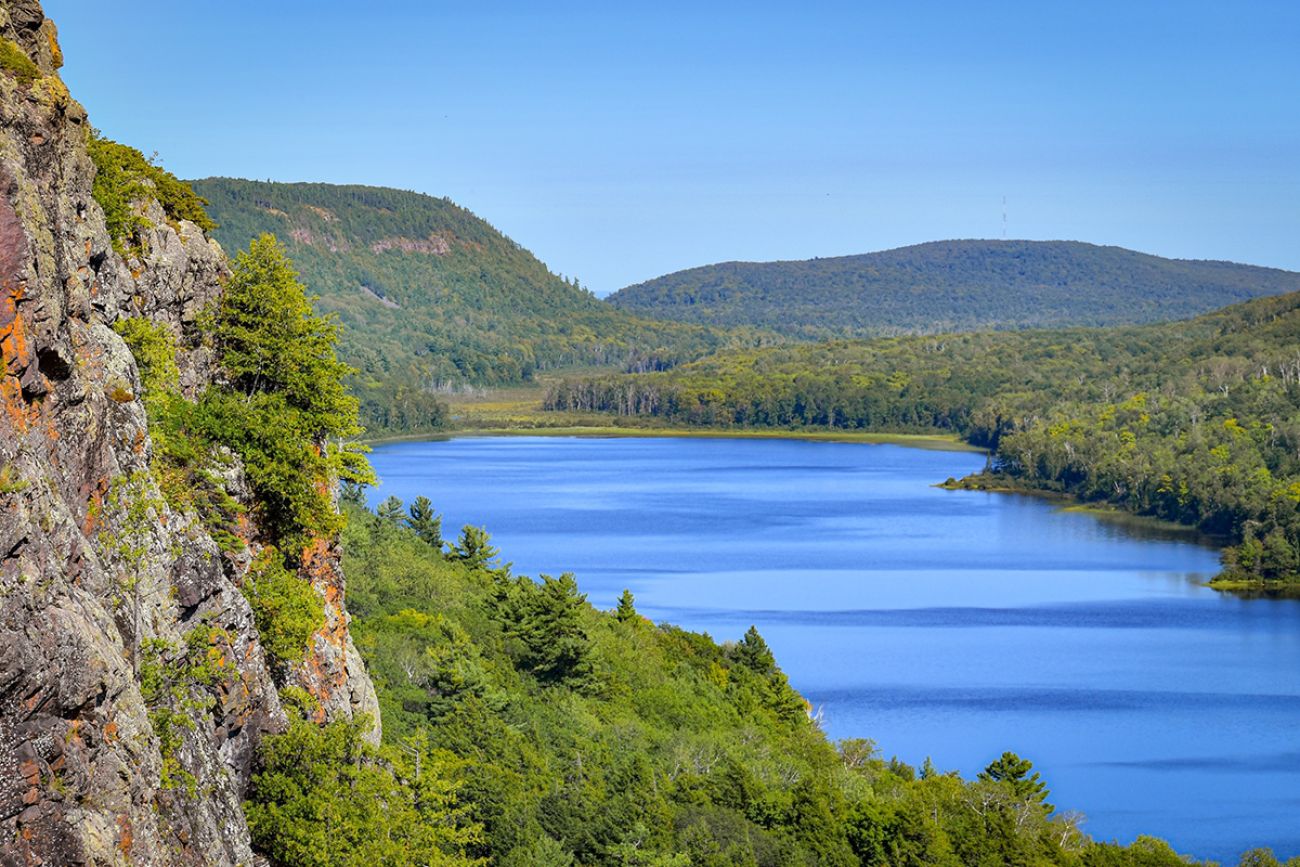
939 442
841 556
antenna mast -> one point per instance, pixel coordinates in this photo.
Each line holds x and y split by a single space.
1004 218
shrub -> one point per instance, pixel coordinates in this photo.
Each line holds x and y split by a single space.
183 456
15 62
123 177
286 609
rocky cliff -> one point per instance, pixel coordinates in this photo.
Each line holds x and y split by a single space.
108 754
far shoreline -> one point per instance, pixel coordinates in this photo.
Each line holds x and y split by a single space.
936 442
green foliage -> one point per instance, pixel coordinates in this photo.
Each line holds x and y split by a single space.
753 653
433 299
271 342
174 683
1196 422
324 798
154 349
546 623
426 523
673 750
626 611
187 464
1014 771
129 515
123 178
10 482
475 548
544 851
15 61
391 511
285 410
286 608
947 286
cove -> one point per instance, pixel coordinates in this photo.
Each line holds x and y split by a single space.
949 624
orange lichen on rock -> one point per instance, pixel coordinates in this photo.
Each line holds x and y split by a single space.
15 358
325 670
125 836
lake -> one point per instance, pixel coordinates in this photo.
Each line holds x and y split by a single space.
950 624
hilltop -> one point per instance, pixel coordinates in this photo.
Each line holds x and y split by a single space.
432 298
947 286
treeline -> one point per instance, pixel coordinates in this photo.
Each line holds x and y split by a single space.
554 734
949 286
1196 422
428 293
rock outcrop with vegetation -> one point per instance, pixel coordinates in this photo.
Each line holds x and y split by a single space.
135 689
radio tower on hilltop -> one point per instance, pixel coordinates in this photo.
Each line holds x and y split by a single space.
1004 218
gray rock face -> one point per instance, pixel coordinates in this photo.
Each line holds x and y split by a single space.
97 575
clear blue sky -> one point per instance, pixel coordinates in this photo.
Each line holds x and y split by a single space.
620 141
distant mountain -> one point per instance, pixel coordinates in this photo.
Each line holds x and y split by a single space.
949 286
432 297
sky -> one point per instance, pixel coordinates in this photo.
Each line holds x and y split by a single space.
621 141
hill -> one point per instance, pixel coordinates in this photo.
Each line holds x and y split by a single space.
1196 422
948 286
433 298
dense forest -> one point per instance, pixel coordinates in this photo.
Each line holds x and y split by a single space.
948 286
432 298
558 734
1196 422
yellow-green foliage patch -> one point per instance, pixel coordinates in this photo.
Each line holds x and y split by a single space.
17 63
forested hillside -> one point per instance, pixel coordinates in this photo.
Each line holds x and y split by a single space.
1196 422
948 286
433 298
563 735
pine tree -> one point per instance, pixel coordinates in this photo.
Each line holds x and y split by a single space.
390 511
556 646
1009 768
753 653
626 611
474 549
270 341
426 523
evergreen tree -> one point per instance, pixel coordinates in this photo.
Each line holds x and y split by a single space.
426 523
283 408
270 341
474 549
1014 771
390 512
753 653
556 646
325 798
626 611
352 493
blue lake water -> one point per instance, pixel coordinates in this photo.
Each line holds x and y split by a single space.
950 624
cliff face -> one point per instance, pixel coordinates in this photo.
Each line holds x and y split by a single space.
109 752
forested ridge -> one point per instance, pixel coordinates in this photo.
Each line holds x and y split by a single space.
432 298
948 286
1196 422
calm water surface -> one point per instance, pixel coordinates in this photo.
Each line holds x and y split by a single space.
951 624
